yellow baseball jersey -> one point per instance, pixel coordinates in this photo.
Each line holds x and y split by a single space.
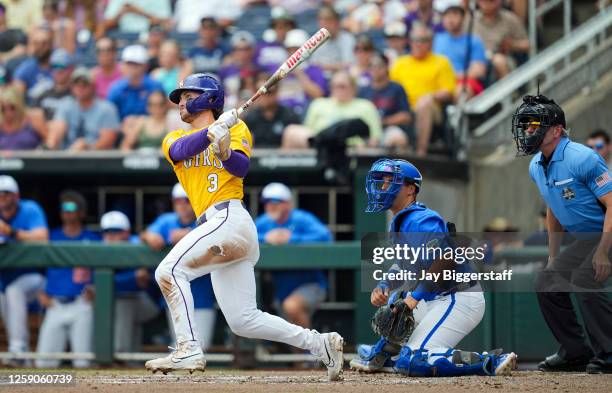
203 176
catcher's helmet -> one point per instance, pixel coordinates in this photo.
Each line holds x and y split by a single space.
386 178
203 83
531 121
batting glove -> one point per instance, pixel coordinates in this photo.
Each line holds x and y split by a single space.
220 138
229 118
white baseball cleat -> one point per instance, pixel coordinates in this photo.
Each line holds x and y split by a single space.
332 355
186 356
505 364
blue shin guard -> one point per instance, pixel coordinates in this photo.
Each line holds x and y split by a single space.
442 362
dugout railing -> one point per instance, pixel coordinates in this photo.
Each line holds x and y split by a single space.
512 319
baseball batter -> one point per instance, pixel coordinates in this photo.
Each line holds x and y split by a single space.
443 314
210 162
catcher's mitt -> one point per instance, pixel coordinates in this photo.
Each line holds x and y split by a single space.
394 321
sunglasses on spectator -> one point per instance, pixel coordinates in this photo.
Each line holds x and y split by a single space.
363 49
597 146
7 107
5 193
105 49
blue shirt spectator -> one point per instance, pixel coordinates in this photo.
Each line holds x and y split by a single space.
208 55
33 76
299 291
456 48
129 94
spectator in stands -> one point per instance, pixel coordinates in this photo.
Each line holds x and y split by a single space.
271 52
88 15
147 131
599 140
426 15
299 292
337 53
154 40
171 67
167 230
429 82
62 28
108 70
133 306
305 83
374 15
239 72
68 295
12 41
33 75
503 35
23 221
341 105
62 66
18 130
453 43
83 122
396 38
364 50
391 101
135 16
268 119
189 13
23 14
129 94
208 55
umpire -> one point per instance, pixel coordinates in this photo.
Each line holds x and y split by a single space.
575 183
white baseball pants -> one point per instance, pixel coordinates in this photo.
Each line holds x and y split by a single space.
131 312
225 246
204 320
15 300
444 322
66 321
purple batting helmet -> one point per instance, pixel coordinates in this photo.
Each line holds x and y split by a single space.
206 84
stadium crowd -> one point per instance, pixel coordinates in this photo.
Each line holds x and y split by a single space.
85 75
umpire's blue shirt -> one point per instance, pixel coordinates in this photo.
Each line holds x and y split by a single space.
571 183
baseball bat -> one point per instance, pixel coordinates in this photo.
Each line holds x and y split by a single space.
294 61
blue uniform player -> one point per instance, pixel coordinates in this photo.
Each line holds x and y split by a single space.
576 185
444 313
133 305
20 221
68 294
167 230
299 292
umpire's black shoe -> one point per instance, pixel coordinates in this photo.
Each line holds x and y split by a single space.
600 365
556 363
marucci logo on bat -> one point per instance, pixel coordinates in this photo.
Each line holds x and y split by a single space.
312 43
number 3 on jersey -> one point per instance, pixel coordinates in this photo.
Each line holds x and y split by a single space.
213 180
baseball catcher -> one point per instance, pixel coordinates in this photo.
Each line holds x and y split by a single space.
419 328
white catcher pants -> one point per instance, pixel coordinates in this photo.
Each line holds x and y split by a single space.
225 246
444 322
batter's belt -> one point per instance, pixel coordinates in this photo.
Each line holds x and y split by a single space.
211 211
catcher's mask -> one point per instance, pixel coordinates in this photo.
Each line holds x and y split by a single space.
531 121
385 180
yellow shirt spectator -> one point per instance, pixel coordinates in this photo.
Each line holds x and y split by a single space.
421 77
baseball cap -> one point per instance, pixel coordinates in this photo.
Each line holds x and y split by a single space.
60 58
8 184
295 38
83 74
178 192
276 192
114 221
281 14
395 29
242 38
135 54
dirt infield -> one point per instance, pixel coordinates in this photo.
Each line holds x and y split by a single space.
115 381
